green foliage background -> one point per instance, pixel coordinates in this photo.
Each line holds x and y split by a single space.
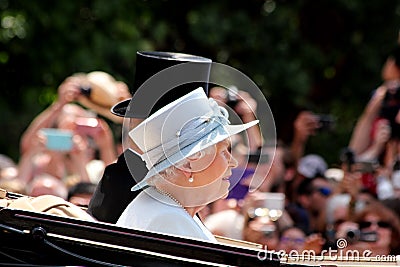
325 55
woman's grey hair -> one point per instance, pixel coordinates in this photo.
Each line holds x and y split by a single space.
171 172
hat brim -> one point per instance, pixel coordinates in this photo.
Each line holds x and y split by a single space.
103 111
120 108
217 135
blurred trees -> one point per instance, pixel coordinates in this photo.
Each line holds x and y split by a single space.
325 55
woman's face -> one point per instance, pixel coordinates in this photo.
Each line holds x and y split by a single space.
209 177
373 222
213 170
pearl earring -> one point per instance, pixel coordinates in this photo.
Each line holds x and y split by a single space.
191 180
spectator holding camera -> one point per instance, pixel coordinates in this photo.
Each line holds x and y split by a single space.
295 131
85 133
375 137
379 230
306 124
371 130
376 217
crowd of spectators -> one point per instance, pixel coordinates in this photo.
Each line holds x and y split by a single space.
64 150
357 201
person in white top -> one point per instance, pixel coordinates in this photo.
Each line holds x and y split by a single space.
185 148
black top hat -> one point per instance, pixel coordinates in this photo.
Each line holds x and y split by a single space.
165 87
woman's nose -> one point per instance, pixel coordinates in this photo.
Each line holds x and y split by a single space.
233 162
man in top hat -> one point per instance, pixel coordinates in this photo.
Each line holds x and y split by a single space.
189 72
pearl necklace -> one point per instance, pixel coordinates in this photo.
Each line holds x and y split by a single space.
165 193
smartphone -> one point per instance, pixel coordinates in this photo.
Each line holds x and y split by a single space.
326 122
57 139
87 126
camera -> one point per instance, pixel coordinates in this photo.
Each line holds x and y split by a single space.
366 166
390 108
85 90
354 235
326 122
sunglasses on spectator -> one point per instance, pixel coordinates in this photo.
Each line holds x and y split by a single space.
293 240
325 191
381 224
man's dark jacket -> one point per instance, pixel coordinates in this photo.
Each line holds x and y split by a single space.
113 193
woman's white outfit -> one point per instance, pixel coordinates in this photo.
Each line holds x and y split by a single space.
157 212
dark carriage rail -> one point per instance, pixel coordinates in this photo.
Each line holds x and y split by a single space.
38 238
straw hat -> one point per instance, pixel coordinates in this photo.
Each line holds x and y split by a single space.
101 91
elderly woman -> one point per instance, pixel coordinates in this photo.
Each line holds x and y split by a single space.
186 150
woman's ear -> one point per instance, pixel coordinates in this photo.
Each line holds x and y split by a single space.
186 169
201 163
202 159
193 165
